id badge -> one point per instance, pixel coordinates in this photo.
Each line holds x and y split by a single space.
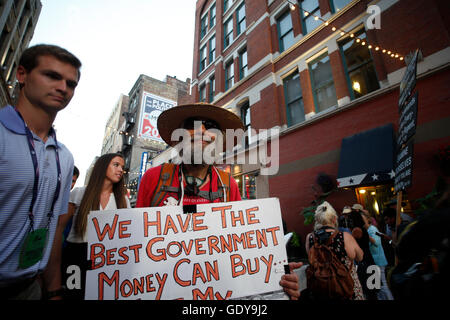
33 248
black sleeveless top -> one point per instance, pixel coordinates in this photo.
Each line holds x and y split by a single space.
337 244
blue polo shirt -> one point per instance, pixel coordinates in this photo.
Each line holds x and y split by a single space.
16 191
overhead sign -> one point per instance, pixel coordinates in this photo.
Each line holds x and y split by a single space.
222 251
152 107
403 168
408 120
409 80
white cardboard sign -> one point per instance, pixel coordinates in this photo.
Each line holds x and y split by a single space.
223 251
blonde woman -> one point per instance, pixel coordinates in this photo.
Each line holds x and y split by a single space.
343 244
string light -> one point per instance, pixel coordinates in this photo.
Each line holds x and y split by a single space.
306 13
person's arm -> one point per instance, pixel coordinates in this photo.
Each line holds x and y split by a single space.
352 248
52 273
371 230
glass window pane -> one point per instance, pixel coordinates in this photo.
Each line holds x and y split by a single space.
202 58
309 19
243 64
212 49
339 4
359 65
296 112
287 41
226 5
286 31
294 99
212 16
311 23
228 32
322 82
202 93
212 89
310 5
285 23
241 19
293 89
204 26
229 76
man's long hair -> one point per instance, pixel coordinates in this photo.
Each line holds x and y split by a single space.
91 197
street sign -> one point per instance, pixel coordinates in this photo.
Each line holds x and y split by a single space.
403 167
408 120
409 80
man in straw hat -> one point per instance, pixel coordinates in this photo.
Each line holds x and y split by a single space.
200 127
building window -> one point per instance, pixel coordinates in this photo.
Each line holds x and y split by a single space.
212 16
285 31
202 93
322 83
294 99
227 4
243 68
309 19
202 65
358 63
229 75
247 185
245 117
337 5
240 17
212 49
212 89
228 32
203 26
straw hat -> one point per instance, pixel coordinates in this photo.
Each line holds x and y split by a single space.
357 206
173 118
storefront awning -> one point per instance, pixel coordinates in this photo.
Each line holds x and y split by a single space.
367 158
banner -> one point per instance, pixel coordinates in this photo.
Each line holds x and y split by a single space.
222 251
152 107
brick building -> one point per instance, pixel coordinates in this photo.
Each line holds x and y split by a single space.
134 125
327 72
17 23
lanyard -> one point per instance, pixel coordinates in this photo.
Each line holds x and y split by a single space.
30 141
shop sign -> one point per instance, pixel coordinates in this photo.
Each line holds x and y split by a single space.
408 121
403 168
408 81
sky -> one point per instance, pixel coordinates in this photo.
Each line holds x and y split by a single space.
116 41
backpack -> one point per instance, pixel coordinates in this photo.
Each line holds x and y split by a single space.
327 277
165 186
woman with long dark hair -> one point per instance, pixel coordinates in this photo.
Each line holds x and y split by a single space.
105 191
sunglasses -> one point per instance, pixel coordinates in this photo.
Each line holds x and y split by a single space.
189 124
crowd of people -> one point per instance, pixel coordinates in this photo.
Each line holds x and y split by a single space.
411 264
43 224
357 242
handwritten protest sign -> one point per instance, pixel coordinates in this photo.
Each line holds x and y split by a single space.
223 251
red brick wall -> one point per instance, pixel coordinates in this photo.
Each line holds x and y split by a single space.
294 189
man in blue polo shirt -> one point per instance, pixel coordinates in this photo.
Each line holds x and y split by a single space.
35 170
